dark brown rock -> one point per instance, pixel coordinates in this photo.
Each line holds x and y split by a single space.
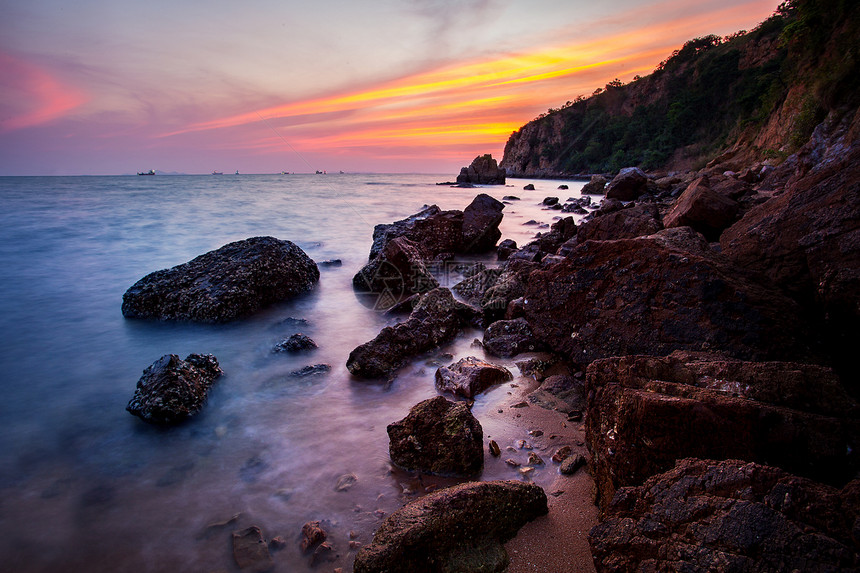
706 515
250 550
630 183
656 294
645 412
636 221
706 211
510 285
395 274
229 283
172 390
436 318
595 186
483 171
460 528
481 220
470 376
510 337
439 437
312 535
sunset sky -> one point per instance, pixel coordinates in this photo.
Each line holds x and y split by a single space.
119 86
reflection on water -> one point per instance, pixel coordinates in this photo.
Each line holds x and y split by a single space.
86 486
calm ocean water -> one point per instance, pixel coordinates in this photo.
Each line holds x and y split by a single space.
88 487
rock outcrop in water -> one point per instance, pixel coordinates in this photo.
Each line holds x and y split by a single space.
172 390
229 283
460 528
403 250
438 437
483 171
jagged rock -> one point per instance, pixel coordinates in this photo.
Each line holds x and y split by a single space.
312 535
643 411
481 220
396 273
231 282
470 376
436 318
171 390
250 550
439 437
295 343
706 211
630 183
460 528
483 171
657 294
595 186
408 227
510 337
731 515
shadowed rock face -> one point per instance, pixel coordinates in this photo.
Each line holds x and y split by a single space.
439 437
483 171
231 282
703 209
656 294
645 412
729 516
457 529
630 183
436 318
172 390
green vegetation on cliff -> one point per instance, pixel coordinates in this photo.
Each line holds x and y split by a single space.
709 94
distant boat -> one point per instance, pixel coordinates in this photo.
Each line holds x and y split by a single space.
217 173
237 172
150 172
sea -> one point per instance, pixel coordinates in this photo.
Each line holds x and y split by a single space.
85 486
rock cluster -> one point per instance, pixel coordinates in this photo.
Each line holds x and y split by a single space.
460 528
172 390
231 282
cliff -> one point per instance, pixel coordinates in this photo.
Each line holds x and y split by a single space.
756 96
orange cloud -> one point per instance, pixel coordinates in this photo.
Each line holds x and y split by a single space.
477 102
32 96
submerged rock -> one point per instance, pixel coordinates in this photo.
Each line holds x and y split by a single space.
310 370
172 390
730 515
295 343
460 528
470 376
250 550
231 282
439 437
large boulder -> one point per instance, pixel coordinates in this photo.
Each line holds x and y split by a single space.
231 282
656 294
706 515
385 232
483 171
435 319
645 412
459 529
630 183
595 186
438 437
703 209
807 241
481 220
172 390
470 376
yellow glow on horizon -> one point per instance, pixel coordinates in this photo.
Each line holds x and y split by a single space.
469 102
